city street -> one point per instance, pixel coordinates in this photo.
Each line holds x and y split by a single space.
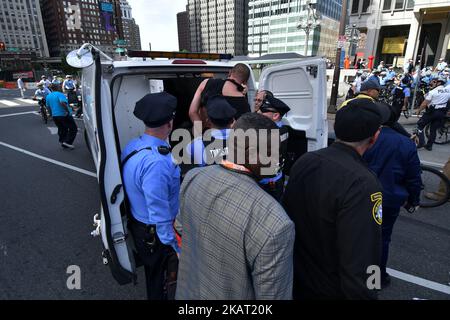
47 210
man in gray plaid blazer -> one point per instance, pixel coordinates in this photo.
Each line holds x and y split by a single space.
237 240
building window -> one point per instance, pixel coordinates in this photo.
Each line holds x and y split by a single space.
399 4
387 5
360 6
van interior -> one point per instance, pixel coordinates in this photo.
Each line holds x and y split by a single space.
127 89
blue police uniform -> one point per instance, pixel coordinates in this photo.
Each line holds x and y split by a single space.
213 149
42 92
197 149
394 160
152 183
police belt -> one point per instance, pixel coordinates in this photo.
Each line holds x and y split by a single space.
141 224
438 106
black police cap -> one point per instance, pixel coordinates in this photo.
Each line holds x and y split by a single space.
218 108
272 103
156 109
360 119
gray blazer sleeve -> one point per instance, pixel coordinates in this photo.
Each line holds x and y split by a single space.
273 266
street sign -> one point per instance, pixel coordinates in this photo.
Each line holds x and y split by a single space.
341 42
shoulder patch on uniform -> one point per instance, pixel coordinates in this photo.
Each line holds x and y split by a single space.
377 210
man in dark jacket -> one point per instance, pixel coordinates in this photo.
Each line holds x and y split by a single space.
394 160
335 203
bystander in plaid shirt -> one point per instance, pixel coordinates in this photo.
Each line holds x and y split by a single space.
237 240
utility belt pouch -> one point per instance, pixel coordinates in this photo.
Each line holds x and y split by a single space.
150 240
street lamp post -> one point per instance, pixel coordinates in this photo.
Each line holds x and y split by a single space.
309 23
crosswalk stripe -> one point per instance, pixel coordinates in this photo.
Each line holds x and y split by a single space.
27 101
9 103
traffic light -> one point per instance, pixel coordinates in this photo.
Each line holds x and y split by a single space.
2 46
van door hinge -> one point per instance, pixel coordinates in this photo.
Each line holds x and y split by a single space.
115 193
312 70
118 237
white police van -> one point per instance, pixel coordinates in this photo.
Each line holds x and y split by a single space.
110 90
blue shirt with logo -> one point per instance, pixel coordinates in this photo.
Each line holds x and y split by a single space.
54 101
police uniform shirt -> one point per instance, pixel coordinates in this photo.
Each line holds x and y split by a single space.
197 149
152 183
441 66
439 97
42 92
69 84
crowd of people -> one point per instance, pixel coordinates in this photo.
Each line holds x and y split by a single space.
398 90
246 234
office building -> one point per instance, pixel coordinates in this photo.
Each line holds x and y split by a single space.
273 27
131 33
70 23
184 40
22 28
218 26
395 30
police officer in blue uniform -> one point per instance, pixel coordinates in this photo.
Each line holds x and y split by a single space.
212 148
152 183
275 110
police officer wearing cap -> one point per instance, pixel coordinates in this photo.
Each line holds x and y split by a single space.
212 147
436 105
152 183
370 90
335 202
275 109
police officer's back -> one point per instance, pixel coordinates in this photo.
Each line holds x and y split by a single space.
335 203
275 110
152 183
212 148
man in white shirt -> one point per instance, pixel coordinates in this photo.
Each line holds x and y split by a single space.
436 103
21 86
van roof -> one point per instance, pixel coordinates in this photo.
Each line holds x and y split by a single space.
139 62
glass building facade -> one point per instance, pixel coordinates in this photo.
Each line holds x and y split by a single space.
273 27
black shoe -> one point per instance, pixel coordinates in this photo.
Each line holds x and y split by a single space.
429 148
385 281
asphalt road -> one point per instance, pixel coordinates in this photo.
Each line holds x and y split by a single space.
46 220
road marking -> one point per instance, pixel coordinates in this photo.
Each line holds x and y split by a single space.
9 103
15 114
419 281
53 130
59 163
27 101
433 164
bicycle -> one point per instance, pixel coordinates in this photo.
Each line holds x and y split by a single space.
435 187
43 109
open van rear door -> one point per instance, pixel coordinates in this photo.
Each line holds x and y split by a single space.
113 229
302 86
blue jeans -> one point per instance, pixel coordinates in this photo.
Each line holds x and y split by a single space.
390 215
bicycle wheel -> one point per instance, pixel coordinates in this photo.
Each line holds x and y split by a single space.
442 134
435 188
44 114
